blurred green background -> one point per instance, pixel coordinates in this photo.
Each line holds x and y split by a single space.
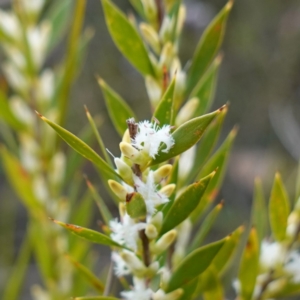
260 77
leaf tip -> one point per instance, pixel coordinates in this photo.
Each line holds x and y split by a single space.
222 107
229 5
39 114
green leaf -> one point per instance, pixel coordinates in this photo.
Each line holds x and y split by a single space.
189 289
217 161
187 135
259 215
138 6
92 279
224 257
16 277
204 91
83 149
89 234
249 266
119 111
98 137
105 213
59 17
279 209
127 38
185 204
208 46
135 205
71 60
194 264
20 180
7 115
165 109
213 286
207 144
206 226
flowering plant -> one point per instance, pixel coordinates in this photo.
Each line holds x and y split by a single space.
168 175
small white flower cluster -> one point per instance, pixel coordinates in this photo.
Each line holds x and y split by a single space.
149 139
274 256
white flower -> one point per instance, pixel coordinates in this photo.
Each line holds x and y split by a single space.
150 137
292 266
126 231
46 86
121 267
10 24
38 38
139 291
21 110
271 254
14 76
149 192
33 6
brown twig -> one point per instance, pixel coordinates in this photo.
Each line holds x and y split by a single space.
146 249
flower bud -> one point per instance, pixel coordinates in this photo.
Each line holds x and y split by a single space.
153 89
162 172
126 137
129 151
150 36
165 275
151 232
21 110
124 170
181 19
167 55
118 189
164 242
187 111
57 167
186 162
152 269
122 209
150 9
157 220
166 30
168 189
136 266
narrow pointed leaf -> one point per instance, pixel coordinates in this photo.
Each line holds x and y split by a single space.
138 6
89 234
189 289
71 61
226 255
217 161
259 210
207 144
119 111
20 180
208 46
92 279
194 264
83 149
16 277
59 17
165 109
249 266
185 204
213 287
206 226
127 38
187 135
98 137
105 213
205 89
279 209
